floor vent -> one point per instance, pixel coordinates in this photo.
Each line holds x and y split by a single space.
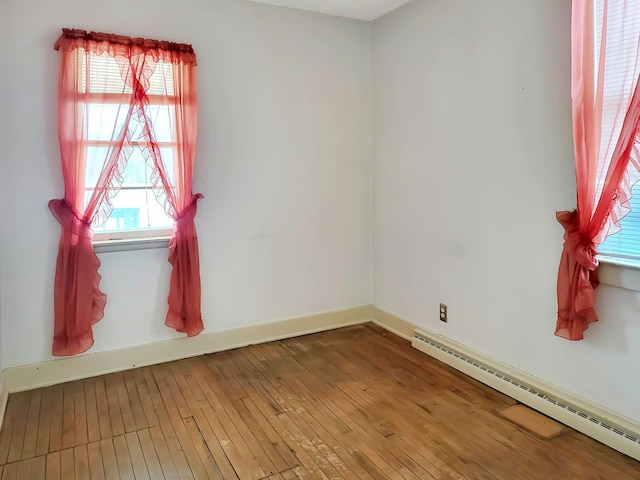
616 436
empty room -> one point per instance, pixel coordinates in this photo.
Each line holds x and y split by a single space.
320 239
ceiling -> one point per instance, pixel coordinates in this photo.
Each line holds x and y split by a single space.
360 9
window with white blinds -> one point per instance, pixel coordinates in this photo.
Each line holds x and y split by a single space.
105 86
103 74
621 74
626 243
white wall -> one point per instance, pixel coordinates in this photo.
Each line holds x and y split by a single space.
283 161
472 158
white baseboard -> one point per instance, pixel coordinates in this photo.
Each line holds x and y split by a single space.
608 427
4 398
67 369
397 325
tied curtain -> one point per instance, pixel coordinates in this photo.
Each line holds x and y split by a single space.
605 47
78 301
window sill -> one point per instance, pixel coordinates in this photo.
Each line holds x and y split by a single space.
619 273
109 246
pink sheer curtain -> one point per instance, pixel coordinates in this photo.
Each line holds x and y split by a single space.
78 301
606 115
184 295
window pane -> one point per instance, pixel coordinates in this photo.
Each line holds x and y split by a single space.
137 172
95 163
626 242
106 75
167 158
155 218
161 80
162 119
135 210
104 121
135 204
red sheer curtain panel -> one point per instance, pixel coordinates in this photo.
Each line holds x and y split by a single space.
606 115
184 313
175 179
101 120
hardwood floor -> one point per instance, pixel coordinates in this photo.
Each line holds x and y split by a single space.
351 403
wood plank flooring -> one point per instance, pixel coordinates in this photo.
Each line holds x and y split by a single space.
352 403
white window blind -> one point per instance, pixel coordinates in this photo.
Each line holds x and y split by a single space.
105 74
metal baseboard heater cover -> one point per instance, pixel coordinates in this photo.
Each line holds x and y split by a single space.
585 420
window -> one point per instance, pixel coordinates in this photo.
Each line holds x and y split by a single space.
624 30
127 127
625 244
136 212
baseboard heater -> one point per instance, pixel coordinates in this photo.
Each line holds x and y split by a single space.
594 422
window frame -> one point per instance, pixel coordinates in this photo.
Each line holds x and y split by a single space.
125 239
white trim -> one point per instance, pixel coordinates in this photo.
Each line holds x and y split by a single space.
587 417
4 398
619 274
137 234
124 245
57 371
392 323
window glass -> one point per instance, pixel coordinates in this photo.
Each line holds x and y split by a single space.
105 82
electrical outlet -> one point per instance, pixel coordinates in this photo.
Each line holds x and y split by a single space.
443 312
